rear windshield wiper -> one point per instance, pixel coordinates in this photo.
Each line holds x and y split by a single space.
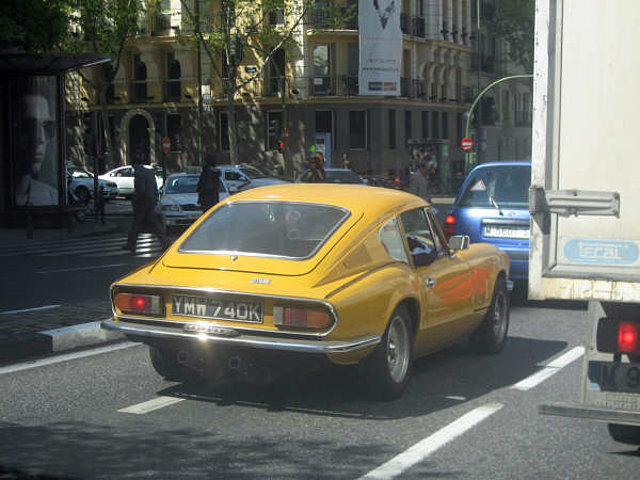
495 204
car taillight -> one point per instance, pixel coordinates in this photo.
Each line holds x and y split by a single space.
138 303
308 318
618 336
449 226
628 337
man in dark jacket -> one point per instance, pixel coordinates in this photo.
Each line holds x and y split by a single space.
209 184
144 202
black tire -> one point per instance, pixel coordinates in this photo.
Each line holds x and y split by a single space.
625 433
83 195
165 362
491 335
389 365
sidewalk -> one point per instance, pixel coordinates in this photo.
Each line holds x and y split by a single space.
37 332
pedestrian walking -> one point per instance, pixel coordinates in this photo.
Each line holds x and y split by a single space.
209 184
145 198
318 175
419 182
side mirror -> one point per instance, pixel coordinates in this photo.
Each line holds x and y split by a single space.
459 242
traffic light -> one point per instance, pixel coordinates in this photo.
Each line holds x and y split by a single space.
280 145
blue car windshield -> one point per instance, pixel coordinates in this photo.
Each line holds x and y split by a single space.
507 185
182 184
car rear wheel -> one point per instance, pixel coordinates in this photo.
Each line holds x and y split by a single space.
491 335
389 366
625 433
165 362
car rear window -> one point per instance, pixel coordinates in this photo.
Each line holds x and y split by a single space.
185 184
507 185
278 229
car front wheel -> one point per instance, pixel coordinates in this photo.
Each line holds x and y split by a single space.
389 366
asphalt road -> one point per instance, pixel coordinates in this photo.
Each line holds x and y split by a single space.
74 418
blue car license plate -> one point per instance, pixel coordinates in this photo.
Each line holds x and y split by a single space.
615 376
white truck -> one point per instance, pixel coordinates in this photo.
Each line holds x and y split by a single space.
585 193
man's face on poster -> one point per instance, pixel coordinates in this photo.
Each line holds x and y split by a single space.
38 129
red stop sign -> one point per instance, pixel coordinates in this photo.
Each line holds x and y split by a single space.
467 144
166 144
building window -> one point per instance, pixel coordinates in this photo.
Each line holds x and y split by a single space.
434 125
174 87
324 124
392 129
139 89
408 125
445 125
223 132
357 129
425 124
274 129
322 81
276 71
174 123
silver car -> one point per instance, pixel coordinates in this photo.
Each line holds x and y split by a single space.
243 177
178 203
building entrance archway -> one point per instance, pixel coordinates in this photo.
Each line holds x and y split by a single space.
140 138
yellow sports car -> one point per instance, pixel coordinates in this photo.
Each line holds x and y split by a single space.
284 277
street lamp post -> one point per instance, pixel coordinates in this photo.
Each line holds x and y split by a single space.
467 162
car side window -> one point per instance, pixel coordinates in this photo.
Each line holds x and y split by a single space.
422 243
391 239
438 235
222 188
231 175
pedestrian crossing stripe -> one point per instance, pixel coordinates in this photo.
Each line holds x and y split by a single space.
107 246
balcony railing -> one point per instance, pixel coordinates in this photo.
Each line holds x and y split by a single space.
419 27
173 90
405 23
138 91
350 85
322 85
272 86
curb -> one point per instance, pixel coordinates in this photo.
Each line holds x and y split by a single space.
55 341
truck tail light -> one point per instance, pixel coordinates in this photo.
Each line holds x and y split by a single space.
307 318
618 336
628 337
449 226
138 303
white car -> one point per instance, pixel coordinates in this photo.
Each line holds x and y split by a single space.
80 182
243 177
123 177
178 203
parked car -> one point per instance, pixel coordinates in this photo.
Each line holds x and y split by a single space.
80 182
243 177
279 277
492 206
123 177
335 175
178 203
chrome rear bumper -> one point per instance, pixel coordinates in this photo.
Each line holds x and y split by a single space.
242 339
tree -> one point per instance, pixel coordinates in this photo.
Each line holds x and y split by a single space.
38 26
513 20
103 26
250 28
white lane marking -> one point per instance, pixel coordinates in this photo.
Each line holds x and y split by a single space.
549 370
34 309
456 397
92 267
151 405
65 358
429 445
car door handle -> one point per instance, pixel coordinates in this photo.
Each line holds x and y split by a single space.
430 282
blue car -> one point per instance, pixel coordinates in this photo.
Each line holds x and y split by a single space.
492 206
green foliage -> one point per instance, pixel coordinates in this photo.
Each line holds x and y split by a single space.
513 20
36 25
105 24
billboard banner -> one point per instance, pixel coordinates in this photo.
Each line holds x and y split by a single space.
380 47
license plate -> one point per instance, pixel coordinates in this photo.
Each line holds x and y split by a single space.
619 377
499 231
205 307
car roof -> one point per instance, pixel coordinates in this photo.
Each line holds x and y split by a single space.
504 163
378 201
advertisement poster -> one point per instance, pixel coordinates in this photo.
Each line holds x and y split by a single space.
35 140
380 47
